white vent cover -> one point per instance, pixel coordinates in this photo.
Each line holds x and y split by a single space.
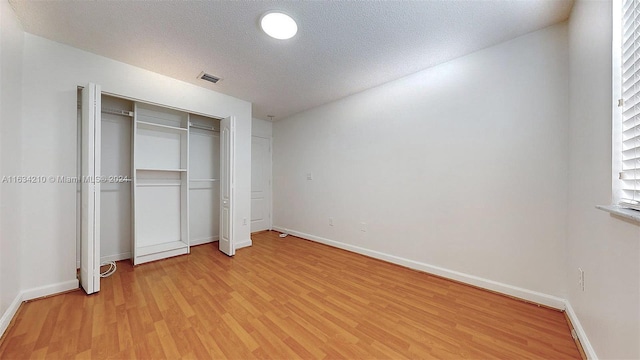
208 77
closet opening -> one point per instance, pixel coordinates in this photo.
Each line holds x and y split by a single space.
152 178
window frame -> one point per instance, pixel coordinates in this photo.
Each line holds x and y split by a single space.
616 120
616 140
618 108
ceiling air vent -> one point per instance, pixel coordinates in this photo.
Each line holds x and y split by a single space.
208 77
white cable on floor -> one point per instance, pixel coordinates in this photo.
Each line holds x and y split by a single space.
110 270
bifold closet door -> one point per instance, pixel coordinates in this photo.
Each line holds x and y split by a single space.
227 178
90 208
204 185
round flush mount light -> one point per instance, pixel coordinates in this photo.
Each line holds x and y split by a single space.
278 25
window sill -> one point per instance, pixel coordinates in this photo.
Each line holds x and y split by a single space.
628 214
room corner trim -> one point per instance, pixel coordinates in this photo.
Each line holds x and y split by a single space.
514 291
47 290
243 244
582 335
8 315
30 294
200 241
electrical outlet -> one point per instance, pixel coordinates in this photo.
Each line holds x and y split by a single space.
581 278
330 221
309 176
244 221
363 226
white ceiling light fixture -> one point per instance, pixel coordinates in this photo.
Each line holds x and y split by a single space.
278 25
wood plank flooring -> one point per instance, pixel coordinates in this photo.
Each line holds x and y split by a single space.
283 299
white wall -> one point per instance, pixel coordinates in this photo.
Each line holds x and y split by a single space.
262 128
11 45
461 168
51 73
605 247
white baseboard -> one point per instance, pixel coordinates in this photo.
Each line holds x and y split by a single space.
30 294
116 257
201 241
582 335
8 315
518 292
243 244
47 290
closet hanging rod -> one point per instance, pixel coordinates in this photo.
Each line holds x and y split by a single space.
113 111
117 112
203 127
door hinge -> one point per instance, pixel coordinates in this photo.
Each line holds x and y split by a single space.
620 102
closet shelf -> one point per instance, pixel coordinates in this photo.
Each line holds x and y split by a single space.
204 180
159 248
160 127
148 184
158 169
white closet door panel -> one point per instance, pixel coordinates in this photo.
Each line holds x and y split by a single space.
157 215
227 179
158 150
204 214
225 229
90 195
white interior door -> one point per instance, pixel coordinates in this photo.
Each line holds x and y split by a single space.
90 213
260 183
227 178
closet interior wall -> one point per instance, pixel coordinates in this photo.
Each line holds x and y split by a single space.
115 196
204 179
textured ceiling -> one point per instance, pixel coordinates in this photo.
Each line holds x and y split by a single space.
342 47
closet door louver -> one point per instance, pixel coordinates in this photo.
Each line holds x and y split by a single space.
630 174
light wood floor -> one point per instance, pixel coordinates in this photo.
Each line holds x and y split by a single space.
283 299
